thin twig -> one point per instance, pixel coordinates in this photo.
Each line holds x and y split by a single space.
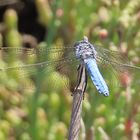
78 95
83 131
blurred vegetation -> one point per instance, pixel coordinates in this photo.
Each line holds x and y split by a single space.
38 113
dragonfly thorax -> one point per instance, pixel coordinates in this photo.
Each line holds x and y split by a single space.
84 50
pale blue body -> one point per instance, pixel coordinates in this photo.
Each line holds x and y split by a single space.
87 54
96 76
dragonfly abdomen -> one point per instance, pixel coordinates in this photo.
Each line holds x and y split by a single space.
96 76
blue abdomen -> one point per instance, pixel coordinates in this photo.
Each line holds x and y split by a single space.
96 76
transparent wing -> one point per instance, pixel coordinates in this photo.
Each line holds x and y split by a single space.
22 62
40 52
116 65
118 60
38 57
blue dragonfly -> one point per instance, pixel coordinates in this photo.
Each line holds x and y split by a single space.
82 52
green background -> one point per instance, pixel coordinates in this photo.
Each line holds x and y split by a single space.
38 113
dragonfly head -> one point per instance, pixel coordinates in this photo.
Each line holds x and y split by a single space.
84 49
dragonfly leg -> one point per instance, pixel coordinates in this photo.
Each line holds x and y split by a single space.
81 80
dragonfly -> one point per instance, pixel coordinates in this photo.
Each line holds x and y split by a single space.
82 52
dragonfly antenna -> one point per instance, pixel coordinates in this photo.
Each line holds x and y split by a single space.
86 38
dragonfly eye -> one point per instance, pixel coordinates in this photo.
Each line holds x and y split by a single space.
84 50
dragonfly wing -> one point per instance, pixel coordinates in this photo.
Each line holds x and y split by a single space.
115 64
119 61
27 62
